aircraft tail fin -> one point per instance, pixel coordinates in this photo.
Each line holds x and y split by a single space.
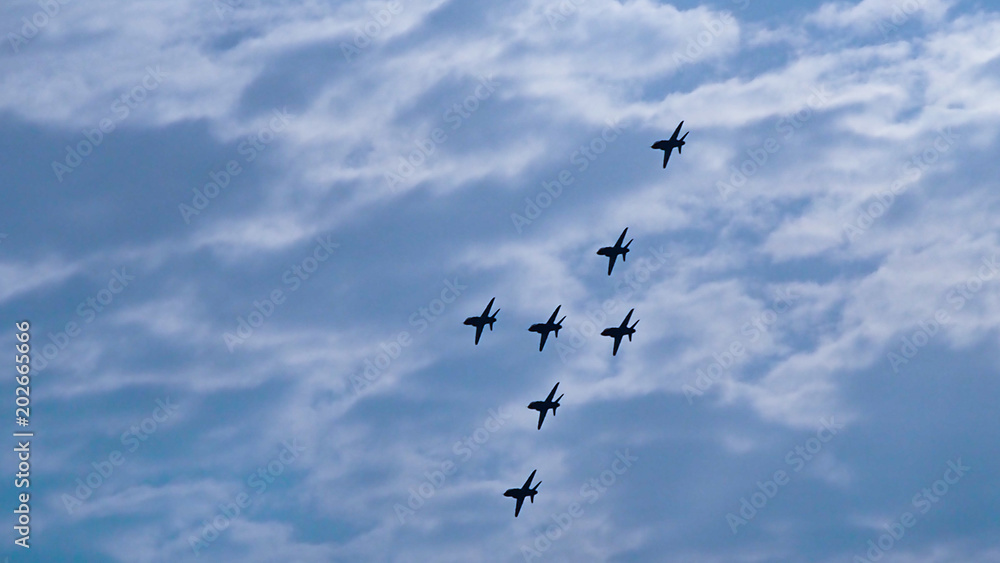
632 327
682 138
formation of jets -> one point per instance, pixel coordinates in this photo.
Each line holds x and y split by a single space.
543 329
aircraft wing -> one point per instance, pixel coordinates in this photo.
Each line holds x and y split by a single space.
627 317
552 393
545 336
621 238
666 155
677 132
517 509
486 313
527 484
479 332
618 341
611 262
552 319
541 417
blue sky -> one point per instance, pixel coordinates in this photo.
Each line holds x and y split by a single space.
246 236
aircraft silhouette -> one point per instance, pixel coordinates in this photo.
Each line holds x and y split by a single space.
543 406
524 491
612 252
670 144
483 320
545 328
617 332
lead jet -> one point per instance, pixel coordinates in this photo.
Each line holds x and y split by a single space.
670 144
617 332
545 328
612 252
524 491
483 320
543 406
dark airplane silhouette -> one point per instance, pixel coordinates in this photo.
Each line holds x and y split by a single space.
483 320
524 491
543 406
612 252
545 328
617 332
670 144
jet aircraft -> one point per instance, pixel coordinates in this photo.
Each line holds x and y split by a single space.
543 406
524 491
545 328
483 320
617 332
670 144
612 252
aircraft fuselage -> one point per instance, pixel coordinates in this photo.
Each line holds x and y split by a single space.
617 331
668 144
543 327
612 251
542 405
479 321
